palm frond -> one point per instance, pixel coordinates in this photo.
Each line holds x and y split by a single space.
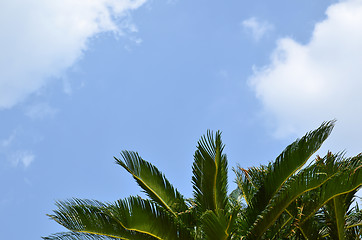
153 182
132 218
249 181
294 157
354 217
78 236
143 216
306 180
278 172
334 217
91 218
210 174
343 181
219 225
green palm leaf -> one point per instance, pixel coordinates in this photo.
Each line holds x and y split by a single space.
210 174
132 218
89 218
282 200
78 236
143 216
278 172
153 182
219 225
307 179
344 182
354 217
249 181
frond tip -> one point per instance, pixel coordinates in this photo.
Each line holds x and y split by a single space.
210 173
153 182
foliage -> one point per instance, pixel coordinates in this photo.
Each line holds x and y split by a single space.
166 214
283 200
287 200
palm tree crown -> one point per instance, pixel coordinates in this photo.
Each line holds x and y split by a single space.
280 200
166 214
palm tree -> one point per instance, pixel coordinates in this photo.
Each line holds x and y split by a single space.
288 201
166 214
269 203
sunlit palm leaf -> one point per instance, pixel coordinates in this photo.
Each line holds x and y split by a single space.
318 220
249 181
143 216
294 157
78 236
278 172
344 181
210 174
307 179
153 182
92 218
132 218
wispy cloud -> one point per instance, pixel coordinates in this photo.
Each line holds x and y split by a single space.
41 39
257 28
22 158
7 142
15 156
305 84
40 111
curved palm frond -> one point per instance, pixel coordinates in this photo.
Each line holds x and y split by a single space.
153 182
278 172
143 216
91 219
281 200
249 181
210 174
294 157
218 225
78 236
325 209
342 182
132 218
306 180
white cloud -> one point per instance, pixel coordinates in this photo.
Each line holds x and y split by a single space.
18 157
306 84
40 111
23 158
8 141
41 38
257 28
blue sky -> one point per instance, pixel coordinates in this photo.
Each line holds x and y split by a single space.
82 81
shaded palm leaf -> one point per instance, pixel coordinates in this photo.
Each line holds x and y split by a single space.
249 181
218 225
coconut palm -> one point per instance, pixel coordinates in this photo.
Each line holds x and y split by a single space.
166 213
